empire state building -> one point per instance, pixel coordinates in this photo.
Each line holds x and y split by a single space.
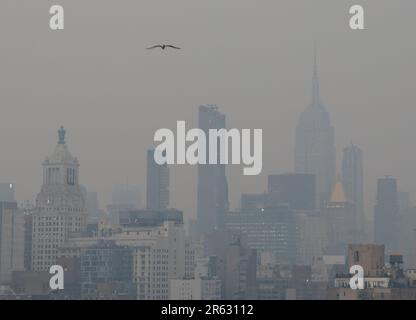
315 143
60 206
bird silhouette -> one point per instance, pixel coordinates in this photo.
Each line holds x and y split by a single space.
163 46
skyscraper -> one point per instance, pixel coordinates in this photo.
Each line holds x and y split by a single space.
126 196
339 216
269 230
60 206
11 240
297 190
157 190
91 205
315 145
404 200
123 198
386 213
352 179
7 192
240 271
212 181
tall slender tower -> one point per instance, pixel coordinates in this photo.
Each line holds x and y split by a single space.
315 143
157 191
60 206
11 240
353 182
386 214
212 181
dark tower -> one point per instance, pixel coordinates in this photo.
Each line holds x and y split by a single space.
157 187
212 181
386 213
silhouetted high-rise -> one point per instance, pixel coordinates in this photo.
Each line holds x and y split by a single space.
212 181
353 182
386 213
315 145
298 190
11 240
7 192
157 192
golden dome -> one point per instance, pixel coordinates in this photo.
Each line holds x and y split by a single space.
338 194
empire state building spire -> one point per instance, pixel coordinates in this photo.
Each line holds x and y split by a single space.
315 142
315 82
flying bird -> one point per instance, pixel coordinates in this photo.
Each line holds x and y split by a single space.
163 46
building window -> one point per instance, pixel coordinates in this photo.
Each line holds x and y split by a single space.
70 176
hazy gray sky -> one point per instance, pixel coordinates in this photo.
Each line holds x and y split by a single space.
252 58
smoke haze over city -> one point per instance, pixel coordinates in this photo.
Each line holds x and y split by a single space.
252 59
207 150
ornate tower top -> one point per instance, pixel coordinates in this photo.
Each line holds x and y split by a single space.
61 135
61 154
338 194
61 179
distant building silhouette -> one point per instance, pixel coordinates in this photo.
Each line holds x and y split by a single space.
240 271
268 230
315 145
11 240
126 195
311 236
28 209
212 181
92 206
404 200
7 192
157 191
123 198
386 213
407 235
298 190
353 182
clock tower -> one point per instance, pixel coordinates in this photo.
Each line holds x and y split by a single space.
60 206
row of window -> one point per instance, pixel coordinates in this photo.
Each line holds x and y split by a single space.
61 209
45 229
53 176
46 246
47 252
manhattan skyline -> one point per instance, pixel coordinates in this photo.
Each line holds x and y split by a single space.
112 112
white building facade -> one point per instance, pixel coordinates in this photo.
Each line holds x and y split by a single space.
60 206
160 253
195 289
